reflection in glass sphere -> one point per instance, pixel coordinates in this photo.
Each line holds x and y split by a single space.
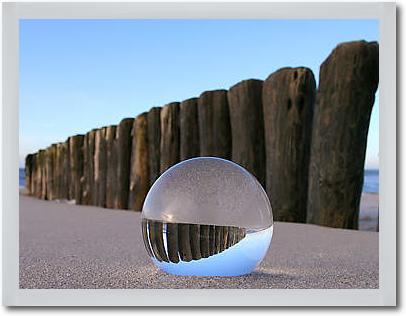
207 217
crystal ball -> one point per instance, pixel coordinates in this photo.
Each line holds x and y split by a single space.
207 216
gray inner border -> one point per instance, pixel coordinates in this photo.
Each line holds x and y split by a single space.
385 295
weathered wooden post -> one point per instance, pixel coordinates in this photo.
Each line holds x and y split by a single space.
100 167
49 172
205 240
88 167
57 171
195 241
288 100
76 167
28 172
139 177
66 171
185 241
124 141
111 157
247 127
346 94
189 129
154 141
214 124
42 176
172 242
170 140
33 184
155 230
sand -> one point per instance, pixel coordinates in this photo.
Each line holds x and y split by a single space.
369 212
68 246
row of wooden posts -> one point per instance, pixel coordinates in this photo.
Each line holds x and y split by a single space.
306 146
187 242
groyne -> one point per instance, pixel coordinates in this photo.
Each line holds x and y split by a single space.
305 144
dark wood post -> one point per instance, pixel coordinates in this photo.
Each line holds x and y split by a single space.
170 138
185 241
189 129
33 184
139 181
66 171
124 141
76 167
288 100
214 124
28 172
346 94
49 171
57 171
172 242
111 157
100 167
88 167
42 177
194 233
205 240
154 141
247 127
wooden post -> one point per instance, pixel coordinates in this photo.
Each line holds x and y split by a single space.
111 157
155 229
76 167
185 241
88 167
195 241
49 171
170 140
57 171
219 238
124 141
42 175
214 124
139 177
189 129
247 127
346 94
100 167
224 244
172 242
145 236
66 171
288 100
212 240
154 140
34 181
205 240
28 172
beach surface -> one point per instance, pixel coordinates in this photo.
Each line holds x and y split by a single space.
69 246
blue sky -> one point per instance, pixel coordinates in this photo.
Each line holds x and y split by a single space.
76 75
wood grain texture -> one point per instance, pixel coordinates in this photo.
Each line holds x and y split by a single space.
247 127
170 136
214 124
345 97
288 100
189 129
139 176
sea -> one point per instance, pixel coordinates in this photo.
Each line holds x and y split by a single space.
371 180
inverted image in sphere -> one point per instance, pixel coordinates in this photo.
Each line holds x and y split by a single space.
207 217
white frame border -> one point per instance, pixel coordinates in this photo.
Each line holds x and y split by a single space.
384 296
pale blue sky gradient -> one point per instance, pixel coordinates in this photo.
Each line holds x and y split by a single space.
76 75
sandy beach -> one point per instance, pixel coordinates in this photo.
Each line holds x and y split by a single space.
369 212
68 246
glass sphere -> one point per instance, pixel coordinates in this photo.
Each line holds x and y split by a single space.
207 216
